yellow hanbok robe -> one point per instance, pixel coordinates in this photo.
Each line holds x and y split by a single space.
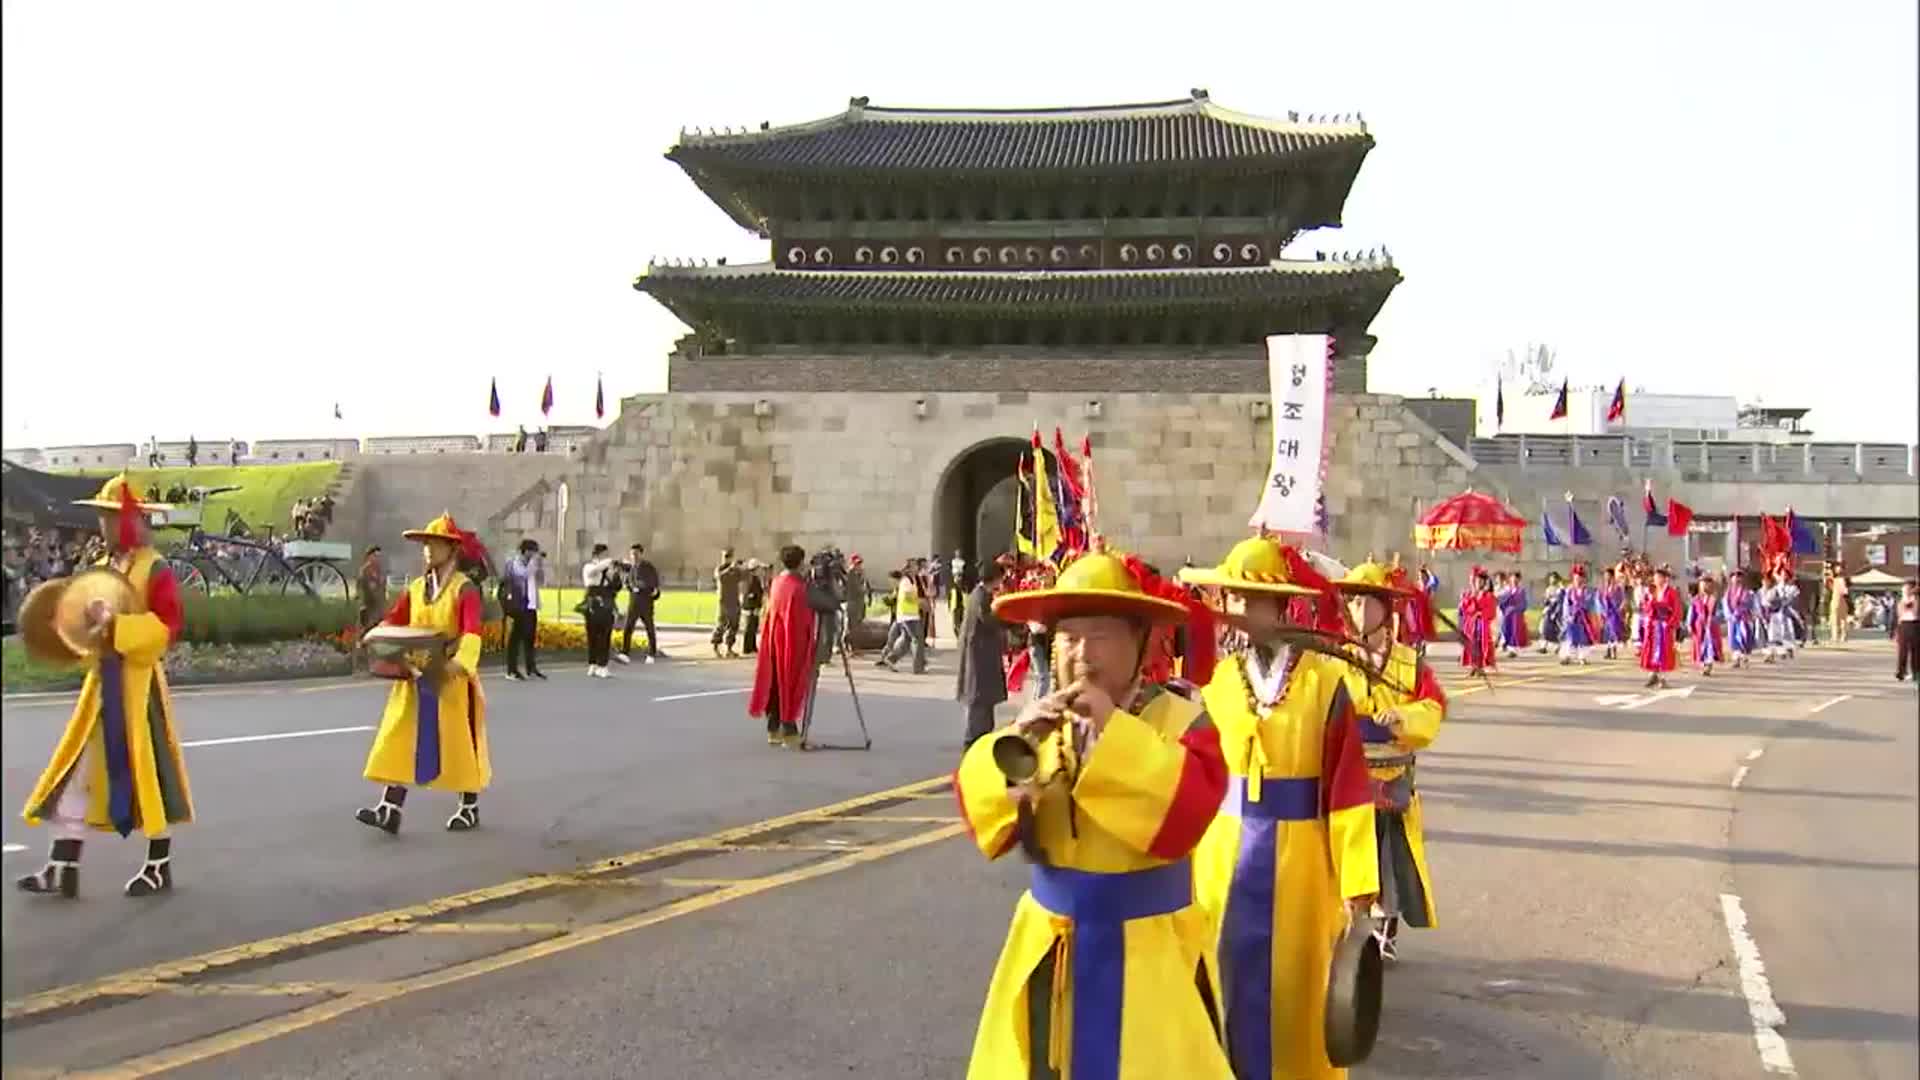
121 731
1107 971
1294 840
449 750
1406 888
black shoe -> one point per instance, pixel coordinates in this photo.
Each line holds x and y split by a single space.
384 816
541 675
467 816
156 876
60 876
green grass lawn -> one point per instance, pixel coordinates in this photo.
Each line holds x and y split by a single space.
266 495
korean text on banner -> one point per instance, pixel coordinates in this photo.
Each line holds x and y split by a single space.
1299 370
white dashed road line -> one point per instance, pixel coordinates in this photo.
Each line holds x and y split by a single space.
1829 703
705 693
273 736
1766 1014
1754 754
1739 775
11 848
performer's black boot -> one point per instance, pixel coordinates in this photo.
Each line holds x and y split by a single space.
385 816
60 875
157 875
468 816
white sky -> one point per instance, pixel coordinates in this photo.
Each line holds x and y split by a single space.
222 218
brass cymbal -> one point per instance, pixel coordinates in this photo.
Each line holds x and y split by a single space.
35 620
70 614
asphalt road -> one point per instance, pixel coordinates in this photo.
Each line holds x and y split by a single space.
1583 837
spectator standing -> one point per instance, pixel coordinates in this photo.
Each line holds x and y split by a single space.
726 581
153 452
753 596
982 682
520 602
855 601
601 576
520 440
1907 632
1839 605
643 591
233 451
372 586
193 452
540 441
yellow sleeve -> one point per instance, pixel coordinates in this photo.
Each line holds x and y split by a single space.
1349 799
984 802
1155 792
466 654
140 638
1419 723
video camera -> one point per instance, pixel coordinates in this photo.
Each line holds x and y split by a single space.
828 567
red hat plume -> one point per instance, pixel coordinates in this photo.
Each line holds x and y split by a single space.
129 536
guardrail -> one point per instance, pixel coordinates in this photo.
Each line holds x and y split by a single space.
1733 461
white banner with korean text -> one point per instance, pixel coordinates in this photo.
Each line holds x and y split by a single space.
1300 376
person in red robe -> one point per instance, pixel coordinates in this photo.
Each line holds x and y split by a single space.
1478 610
785 669
1663 616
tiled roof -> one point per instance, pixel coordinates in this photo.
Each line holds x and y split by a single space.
686 289
1189 132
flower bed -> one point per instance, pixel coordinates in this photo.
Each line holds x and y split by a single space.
189 664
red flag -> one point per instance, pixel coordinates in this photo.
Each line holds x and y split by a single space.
1093 503
1679 516
1560 403
1617 408
546 397
1069 468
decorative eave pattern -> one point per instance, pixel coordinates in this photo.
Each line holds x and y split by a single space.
695 292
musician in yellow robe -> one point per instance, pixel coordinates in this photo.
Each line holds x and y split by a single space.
1400 714
1106 973
434 730
117 765
1290 860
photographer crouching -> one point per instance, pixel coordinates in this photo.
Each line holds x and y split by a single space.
799 618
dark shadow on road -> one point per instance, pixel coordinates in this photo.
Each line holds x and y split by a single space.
1738 856
1649 721
1438 776
1536 801
1571 987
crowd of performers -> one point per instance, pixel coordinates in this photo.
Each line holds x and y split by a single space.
1727 618
118 765
1203 847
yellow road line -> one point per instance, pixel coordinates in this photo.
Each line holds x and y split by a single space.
702 883
777 846
901 819
1477 687
227 1042
484 928
61 997
282 989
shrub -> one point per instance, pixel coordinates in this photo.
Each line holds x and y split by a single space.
553 636
252 620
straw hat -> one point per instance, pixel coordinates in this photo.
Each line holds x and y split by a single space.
113 496
1373 579
440 528
1096 584
1256 564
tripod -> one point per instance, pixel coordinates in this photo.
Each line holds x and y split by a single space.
813 694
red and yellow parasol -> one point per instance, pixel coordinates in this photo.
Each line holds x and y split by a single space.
1469 521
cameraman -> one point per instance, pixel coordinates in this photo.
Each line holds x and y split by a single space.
643 591
827 580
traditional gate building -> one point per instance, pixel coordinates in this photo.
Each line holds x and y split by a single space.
939 282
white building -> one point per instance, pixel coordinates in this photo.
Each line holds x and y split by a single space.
1665 416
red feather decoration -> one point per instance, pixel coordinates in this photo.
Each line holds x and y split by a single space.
1327 616
129 536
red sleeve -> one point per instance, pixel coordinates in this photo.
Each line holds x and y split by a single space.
401 611
1197 794
1426 685
470 610
163 600
1343 763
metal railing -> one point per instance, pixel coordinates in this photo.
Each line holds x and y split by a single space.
1881 462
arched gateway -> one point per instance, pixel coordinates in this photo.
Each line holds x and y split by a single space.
976 502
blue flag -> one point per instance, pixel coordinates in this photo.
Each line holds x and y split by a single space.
1546 526
1581 537
1804 542
1617 515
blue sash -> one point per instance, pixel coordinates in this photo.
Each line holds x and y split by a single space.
1100 906
1246 933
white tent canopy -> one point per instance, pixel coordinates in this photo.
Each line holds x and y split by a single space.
1875 579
